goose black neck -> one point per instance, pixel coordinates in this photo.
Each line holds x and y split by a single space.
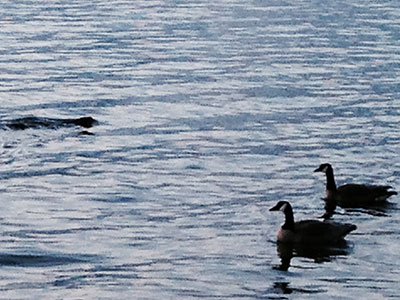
330 180
289 220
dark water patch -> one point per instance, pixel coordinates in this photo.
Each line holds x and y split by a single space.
105 274
37 173
102 102
121 199
371 212
147 130
383 232
37 260
364 280
273 92
160 219
33 234
194 167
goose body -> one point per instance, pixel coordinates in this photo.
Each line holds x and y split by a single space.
309 231
351 195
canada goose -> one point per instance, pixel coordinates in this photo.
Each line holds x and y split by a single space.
351 195
309 231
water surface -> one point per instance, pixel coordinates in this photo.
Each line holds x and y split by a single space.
209 113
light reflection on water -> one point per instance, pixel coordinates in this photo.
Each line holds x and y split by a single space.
208 114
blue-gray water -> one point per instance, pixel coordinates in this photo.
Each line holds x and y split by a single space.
209 112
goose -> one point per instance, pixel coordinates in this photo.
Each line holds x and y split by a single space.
351 195
309 231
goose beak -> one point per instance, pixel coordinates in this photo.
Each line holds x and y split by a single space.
275 208
318 170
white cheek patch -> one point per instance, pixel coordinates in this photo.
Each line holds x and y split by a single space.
283 207
325 169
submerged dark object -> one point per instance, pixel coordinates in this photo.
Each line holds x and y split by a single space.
37 122
85 132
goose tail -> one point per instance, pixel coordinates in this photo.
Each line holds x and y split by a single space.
349 228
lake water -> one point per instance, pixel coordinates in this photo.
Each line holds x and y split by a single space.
209 113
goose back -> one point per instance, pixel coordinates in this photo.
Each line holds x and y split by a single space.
355 195
315 232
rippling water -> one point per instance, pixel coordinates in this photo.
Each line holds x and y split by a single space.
209 112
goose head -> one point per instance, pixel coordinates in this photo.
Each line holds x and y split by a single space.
283 206
323 168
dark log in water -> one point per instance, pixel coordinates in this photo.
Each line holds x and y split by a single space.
37 122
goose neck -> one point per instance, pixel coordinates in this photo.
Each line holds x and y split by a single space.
289 219
330 180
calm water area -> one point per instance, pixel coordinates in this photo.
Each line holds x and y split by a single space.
209 112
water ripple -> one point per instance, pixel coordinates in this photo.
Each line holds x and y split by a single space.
208 114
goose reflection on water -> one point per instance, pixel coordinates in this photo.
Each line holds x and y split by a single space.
382 210
319 253
284 287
